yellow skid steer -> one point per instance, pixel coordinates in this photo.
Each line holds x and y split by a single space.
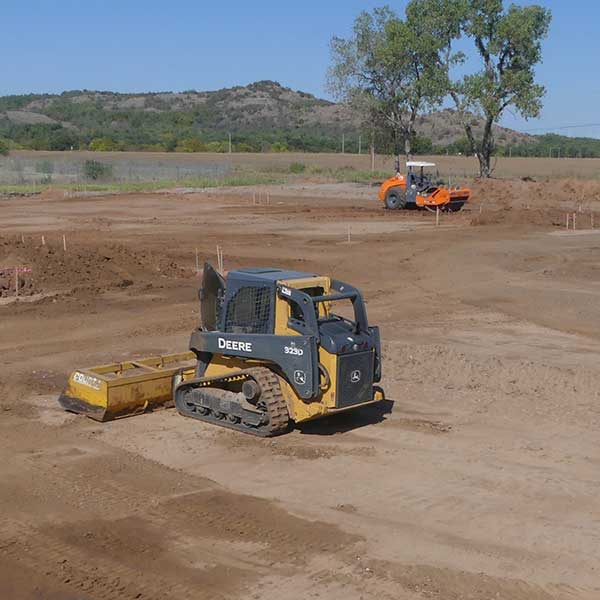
272 349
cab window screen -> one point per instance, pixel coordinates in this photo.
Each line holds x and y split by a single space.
249 311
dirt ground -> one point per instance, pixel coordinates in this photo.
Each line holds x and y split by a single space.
477 479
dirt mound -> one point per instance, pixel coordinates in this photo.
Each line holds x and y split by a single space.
528 202
48 268
550 217
563 194
11 281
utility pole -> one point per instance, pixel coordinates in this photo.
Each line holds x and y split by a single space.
343 143
229 142
360 144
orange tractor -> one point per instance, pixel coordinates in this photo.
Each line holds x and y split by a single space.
417 190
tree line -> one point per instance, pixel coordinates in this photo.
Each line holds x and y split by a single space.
56 137
394 68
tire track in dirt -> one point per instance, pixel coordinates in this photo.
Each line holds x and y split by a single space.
103 576
450 584
108 522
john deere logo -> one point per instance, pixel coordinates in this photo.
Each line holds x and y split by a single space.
300 377
355 376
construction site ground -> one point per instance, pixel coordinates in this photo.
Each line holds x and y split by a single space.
477 479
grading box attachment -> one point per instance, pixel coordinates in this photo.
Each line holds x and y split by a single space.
122 389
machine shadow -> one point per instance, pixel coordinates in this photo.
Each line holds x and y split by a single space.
344 422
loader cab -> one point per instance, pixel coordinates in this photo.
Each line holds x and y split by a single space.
416 177
251 301
282 302
247 302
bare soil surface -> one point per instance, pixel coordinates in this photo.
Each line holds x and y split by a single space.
476 479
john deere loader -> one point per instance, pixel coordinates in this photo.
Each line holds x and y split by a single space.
273 347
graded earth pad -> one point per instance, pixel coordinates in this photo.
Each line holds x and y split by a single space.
476 479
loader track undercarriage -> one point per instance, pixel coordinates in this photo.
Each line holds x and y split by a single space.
248 400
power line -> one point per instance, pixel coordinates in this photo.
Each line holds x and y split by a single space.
562 127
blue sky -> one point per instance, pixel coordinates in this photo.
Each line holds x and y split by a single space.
149 45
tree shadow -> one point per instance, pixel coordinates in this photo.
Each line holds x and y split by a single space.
348 421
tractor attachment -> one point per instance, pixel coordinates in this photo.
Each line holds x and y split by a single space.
122 389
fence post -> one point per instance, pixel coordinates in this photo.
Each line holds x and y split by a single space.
372 156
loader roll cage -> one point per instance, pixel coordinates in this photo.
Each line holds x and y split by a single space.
308 306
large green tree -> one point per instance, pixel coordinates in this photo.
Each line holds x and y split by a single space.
387 72
508 43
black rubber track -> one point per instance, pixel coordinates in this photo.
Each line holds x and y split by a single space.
271 402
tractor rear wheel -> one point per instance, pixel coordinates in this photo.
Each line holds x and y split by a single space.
395 199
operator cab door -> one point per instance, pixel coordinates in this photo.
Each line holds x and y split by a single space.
211 297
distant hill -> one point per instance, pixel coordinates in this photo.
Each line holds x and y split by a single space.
444 127
262 115
263 107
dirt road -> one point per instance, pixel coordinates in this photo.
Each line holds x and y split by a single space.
477 479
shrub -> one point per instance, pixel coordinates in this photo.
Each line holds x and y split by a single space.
4 147
169 141
47 168
217 147
244 147
92 169
279 147
103 144
191 145
297 167
152 148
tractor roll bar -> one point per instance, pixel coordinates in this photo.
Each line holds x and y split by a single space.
309 324
333 297
345 291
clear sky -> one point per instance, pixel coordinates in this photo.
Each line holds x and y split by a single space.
161 45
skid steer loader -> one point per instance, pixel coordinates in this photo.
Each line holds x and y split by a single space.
272 348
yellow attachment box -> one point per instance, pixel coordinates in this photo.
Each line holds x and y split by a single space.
121 389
